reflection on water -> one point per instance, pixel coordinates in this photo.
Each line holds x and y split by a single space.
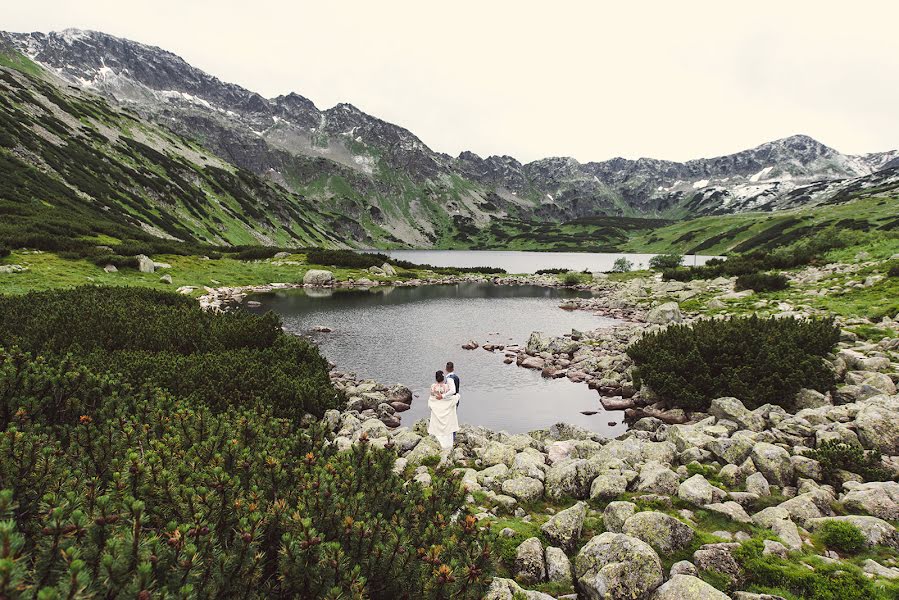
403 335
514 261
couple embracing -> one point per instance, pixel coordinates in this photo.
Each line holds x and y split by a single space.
443 402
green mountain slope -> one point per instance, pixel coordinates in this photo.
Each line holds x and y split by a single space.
72 165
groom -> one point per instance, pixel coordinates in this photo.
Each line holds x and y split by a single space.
452 377
453 380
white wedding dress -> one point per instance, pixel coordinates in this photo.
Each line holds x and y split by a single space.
444 421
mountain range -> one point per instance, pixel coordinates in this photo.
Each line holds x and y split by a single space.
241 168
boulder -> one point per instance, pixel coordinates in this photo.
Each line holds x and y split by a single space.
616 515
687 587
778 520
731 510
388 270
524 489
497 453
877 498
607 486
318 277
167 279
110 269
731 409
507 589
145 264
614 566
806 398
757 484
533 362
571 477
877 427
658 479
564 528
663 532
773 462
872 567
719 558
558 567
530 565
697 490
426 450
663 314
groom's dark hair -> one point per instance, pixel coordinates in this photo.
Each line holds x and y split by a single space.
439 376
449 366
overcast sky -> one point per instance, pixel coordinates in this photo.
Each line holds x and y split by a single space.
673 80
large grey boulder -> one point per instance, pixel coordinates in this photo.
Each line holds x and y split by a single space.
616 515
697 490
663 314
734 450
525 489
807 398
657 479
530 566
810 505
877 426
732 409
495 453
145 264
571 477
508 589
773 462
558 567
877 531
719 558
687 587
530 465
564 528
731 510
426 450
877 498
757 484
614 566
607 486
318 277
663 532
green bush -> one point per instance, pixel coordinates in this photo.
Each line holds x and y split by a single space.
761 282
756 360
837 581
124 474
837 456
149 335
660 262
572 278
4 251
366 260
622 265
841 536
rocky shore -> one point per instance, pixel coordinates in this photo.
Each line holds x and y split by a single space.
662 510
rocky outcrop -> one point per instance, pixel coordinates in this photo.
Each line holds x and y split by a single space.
616 566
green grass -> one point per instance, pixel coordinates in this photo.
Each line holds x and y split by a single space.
19 62
48 271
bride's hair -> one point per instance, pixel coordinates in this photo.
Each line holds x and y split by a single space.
439 376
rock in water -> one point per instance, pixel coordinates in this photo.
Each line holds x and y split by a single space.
614 566
318 277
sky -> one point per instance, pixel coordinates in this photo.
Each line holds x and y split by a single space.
531 79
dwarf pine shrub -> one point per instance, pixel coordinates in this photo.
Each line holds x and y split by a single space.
756 360
761 282
132 486
836 456
145 335
841 536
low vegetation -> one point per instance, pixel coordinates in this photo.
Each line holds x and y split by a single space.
762 282
756 360
841 536
127 484
836 456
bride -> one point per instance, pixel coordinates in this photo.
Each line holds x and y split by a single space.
442 403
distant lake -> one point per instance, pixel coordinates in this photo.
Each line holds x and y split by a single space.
403 335
514 261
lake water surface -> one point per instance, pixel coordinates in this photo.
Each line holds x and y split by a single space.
403 335
514 261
